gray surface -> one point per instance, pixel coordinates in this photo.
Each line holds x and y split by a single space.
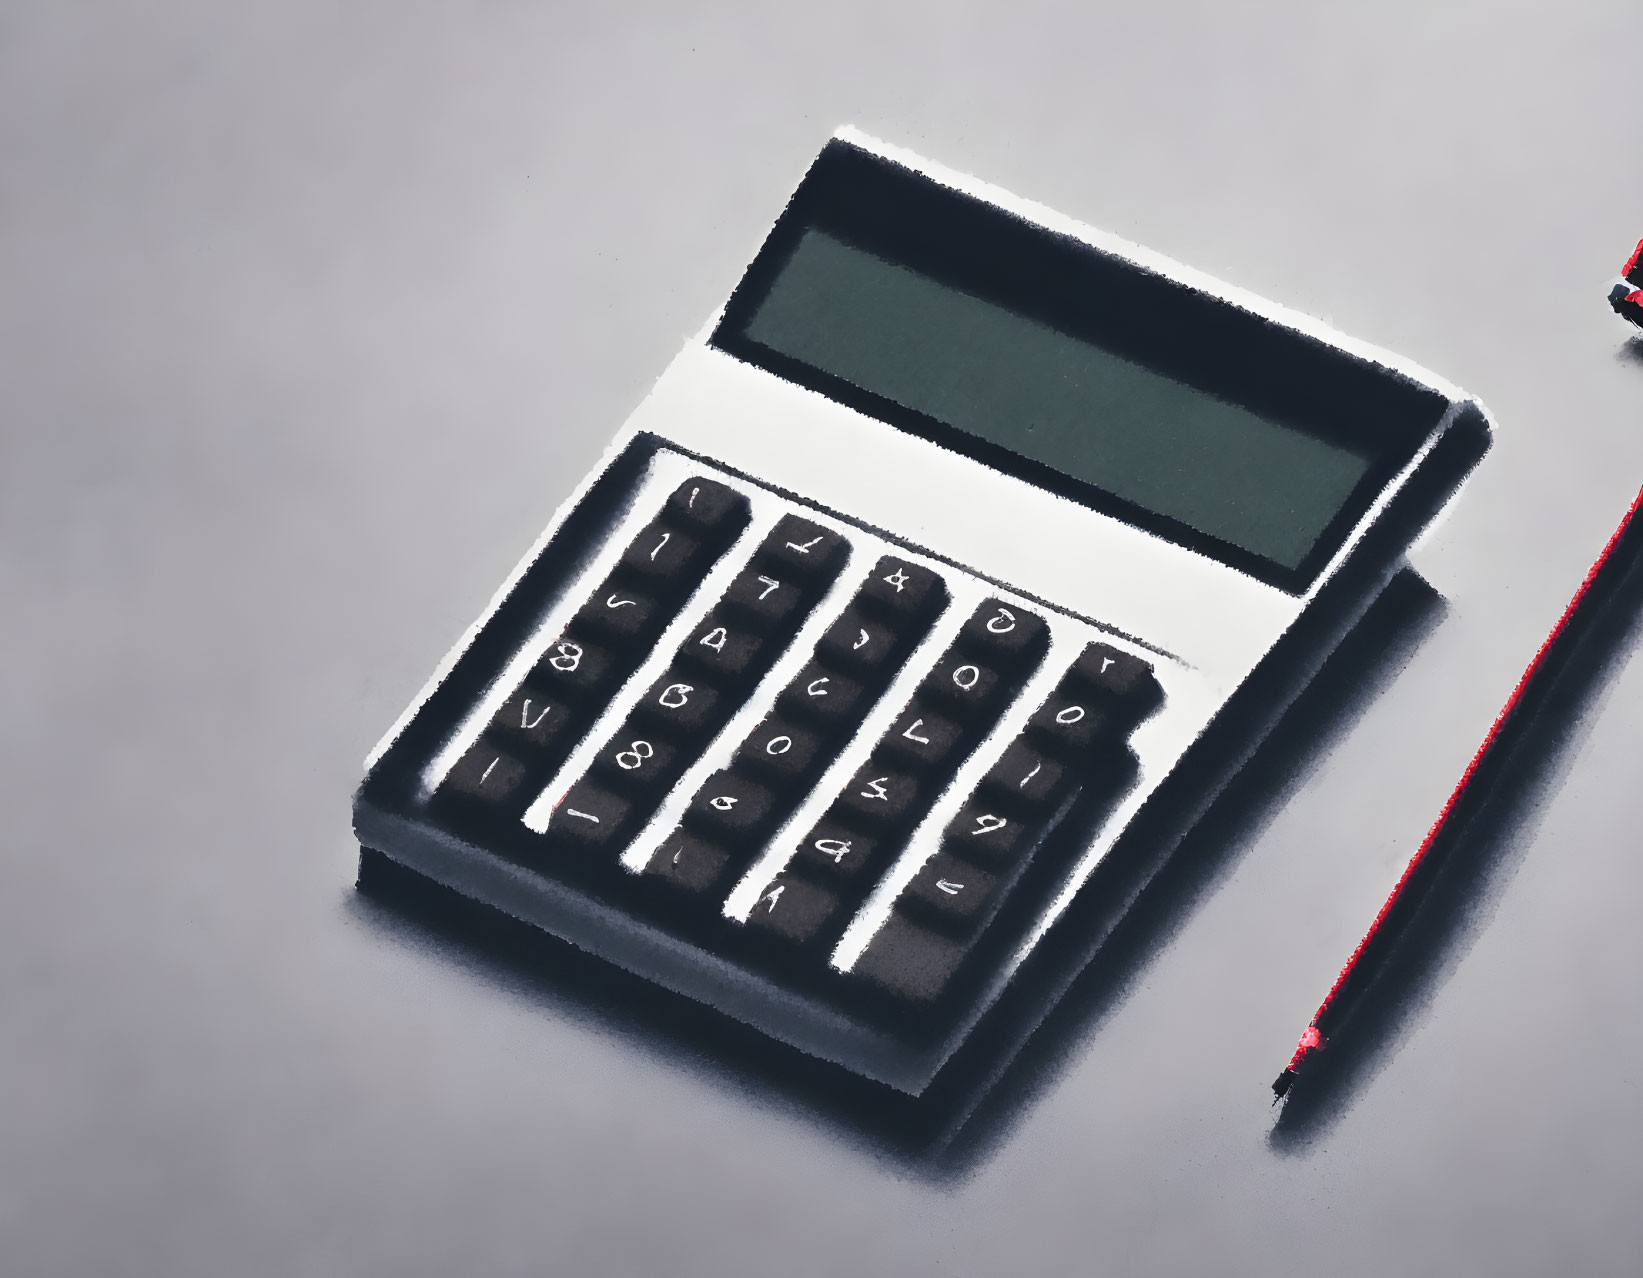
309 319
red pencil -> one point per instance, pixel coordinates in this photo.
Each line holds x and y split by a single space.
1366 961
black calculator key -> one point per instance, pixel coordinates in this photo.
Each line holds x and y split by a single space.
782 752
487 774
590 815
575 670
910 963
732 807
836 852
725 650
1119 675
693 866
706 508
880 795
1074 722
688 707
794 910
897 588
823 697
665 557
1004 634
531 720
799 546
984 834
637 761
1024 777
950 894
922 738
622 614
766 597
860 643
969 686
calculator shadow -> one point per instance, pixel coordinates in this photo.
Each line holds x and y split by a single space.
978 1100
1477 868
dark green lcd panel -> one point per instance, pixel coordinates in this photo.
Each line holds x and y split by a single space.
1151 441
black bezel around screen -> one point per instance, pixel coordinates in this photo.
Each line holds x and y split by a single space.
1191 337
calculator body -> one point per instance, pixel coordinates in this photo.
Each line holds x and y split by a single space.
1141 645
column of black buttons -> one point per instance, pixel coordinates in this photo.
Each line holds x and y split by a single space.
605 641
1075 743
952 710
714 670
734 813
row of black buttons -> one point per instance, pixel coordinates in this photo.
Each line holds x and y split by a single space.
733 813
605 641
1075 743
955 705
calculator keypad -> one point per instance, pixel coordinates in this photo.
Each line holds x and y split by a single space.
862 811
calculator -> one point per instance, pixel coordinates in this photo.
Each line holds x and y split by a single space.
962 541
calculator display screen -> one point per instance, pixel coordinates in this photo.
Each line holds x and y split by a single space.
1020 384
1075 370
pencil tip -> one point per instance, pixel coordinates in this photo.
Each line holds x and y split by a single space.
1282 1084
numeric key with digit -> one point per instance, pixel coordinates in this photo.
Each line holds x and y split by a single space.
798 546
762 601
880 795
666 559
1024 779
576 670
707 509
1004 635
922 738
489 775
902 590
693 869
539 725
864 646
639 763
590 817
794 911
824 697
836 852
732 656
621 614
732 809
687 706
949 894
1125 679
781 753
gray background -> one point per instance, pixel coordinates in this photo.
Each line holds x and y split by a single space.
309 317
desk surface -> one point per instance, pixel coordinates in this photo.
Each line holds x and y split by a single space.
311 318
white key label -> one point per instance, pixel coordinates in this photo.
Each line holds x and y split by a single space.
838 849
635 755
